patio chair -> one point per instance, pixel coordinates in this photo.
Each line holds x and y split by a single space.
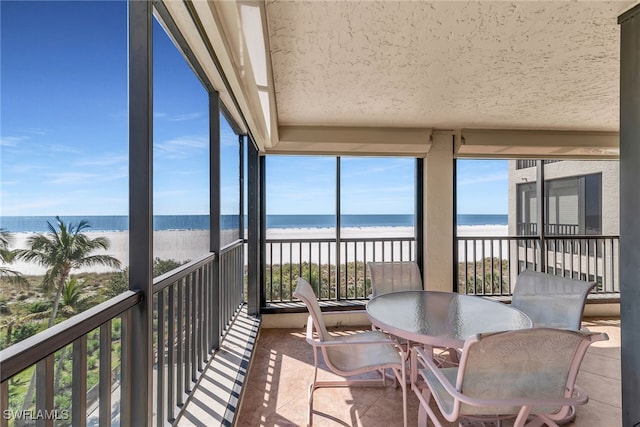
350 355
551 301
394 276
526 374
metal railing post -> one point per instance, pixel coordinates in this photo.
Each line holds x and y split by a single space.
338 226
540 216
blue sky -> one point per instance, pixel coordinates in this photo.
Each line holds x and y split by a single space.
64 131
482 186
369 185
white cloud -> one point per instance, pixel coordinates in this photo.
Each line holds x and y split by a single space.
106 160
184 117
12 141
182 146
60 148
177 117
500 176
36 131
33 206
72 178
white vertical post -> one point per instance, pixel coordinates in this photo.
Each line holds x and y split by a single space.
439 214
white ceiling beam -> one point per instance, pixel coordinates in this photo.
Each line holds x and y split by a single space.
493 143
413 142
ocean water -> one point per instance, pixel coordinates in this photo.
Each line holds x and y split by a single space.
483 219
22 224
25 224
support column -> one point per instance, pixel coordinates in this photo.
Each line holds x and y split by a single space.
137 390
215 192
629 214
439 214
253 245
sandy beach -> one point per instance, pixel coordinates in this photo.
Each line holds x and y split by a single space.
184 245
179 245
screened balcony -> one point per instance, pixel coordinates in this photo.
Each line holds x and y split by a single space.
432 82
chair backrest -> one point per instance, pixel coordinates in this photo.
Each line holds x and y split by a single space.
387 277
551 301
530 363
305 293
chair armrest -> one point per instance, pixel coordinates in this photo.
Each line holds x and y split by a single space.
339 341
331 313
422 358
579 396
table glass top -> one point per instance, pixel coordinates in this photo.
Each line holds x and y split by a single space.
442 318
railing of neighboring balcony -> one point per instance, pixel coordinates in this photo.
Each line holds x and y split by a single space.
336 270
531 229
192 310
523 164
489 265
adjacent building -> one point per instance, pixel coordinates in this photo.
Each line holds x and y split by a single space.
581 198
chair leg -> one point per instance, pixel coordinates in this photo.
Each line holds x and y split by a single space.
521 419
541 420
310 406
425 412
404 393
565 416
454 357
312 388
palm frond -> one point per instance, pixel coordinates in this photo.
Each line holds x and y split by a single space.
6 239
13 277
92 260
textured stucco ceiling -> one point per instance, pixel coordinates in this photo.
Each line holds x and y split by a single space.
447 65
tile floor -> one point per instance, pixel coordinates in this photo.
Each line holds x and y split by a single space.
282 368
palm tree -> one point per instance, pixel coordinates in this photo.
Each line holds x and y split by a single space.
73 298
61 250
7 256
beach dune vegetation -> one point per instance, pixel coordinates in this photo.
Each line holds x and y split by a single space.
280 280
489 276
64 248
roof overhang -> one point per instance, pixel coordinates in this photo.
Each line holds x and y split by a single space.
375 77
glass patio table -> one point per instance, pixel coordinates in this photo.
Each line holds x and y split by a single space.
441 319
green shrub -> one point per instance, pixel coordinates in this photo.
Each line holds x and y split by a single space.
39 306
118 284
161 266
24 331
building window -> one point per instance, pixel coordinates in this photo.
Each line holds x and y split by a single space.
527 209
573 206
593 204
